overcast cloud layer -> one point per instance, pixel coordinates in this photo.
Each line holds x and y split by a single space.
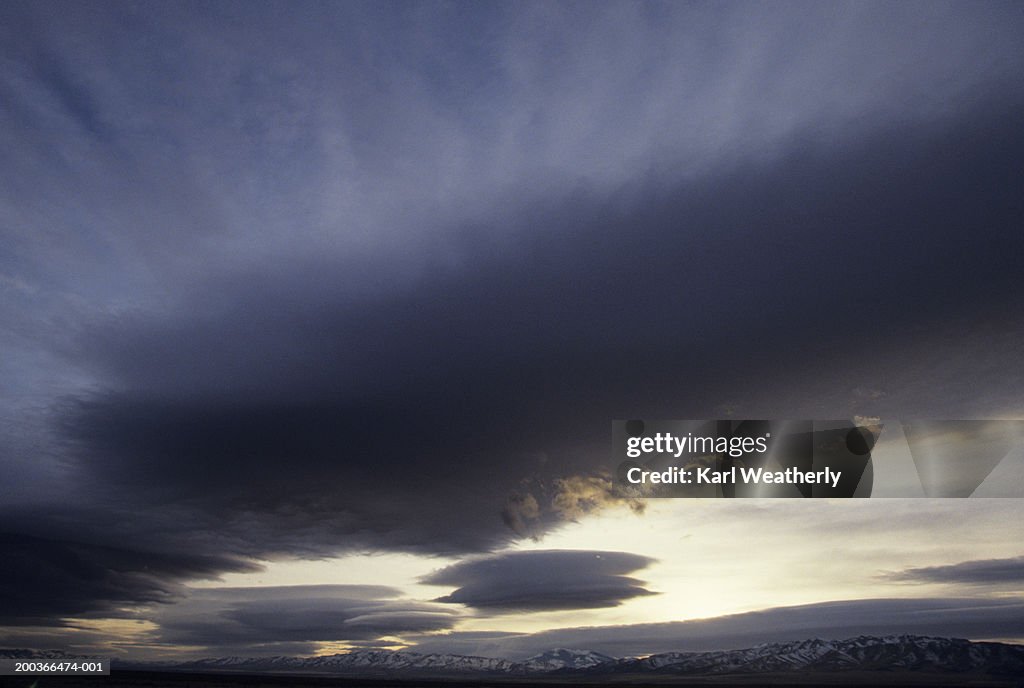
299 279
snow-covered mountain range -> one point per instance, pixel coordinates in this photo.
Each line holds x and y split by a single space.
365 662
863 653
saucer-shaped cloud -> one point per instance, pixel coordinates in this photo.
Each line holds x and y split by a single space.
297 614
1008 571
544 580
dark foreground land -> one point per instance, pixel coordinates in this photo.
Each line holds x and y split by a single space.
147 679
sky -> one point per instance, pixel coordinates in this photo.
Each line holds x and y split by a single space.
315 317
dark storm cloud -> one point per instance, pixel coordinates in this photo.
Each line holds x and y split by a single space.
409 418
295 422
270 616
42 580
960 618
543 580
301 280
995 572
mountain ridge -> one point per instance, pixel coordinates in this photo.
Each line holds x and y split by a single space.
892 653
